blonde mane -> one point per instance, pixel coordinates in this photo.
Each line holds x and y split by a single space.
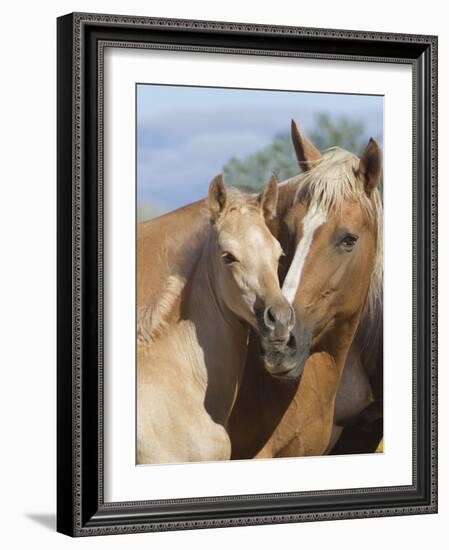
328 184
152 319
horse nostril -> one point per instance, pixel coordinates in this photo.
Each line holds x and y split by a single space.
270 317
291 342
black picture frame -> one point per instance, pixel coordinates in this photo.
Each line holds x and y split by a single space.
81 509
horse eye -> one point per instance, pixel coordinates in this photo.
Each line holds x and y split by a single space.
348 242
229 258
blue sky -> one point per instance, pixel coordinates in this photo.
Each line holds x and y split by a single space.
186 134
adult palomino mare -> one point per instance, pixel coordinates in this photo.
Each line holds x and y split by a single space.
189 370
332 234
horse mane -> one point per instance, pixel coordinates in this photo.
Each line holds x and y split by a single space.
332 180
152 319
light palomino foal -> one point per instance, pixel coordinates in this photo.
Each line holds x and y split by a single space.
188 371
333 239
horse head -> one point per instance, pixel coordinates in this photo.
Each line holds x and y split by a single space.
245 259
334 250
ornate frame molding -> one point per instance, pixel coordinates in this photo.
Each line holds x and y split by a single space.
81 42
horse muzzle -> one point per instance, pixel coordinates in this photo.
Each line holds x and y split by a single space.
278 321
286 360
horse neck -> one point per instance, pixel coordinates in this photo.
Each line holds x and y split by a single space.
220 334
337 342
310 408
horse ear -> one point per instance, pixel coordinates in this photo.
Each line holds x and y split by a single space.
269 197
306 153
217 197
370 166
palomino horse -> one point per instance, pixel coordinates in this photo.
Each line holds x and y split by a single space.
188 372
333 239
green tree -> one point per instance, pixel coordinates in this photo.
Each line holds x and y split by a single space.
253 171
341 132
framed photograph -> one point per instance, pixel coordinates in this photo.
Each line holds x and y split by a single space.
247 279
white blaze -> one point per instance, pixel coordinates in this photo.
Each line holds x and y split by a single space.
313 219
